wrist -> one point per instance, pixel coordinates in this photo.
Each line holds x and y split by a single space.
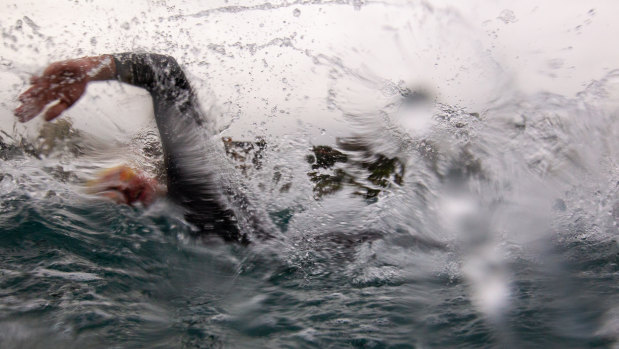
98 68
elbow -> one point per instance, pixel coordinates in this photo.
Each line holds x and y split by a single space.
168 74
171 62
161 75
165 61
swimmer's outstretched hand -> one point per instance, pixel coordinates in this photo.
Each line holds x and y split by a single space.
61 85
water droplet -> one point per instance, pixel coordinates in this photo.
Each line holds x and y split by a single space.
296 12
31 23
217 48
508 16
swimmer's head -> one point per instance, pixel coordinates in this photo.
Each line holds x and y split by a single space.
124 185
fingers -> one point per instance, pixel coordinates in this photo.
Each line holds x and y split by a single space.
55 110
27 111
31 108
33 101
20 112
37 97
57 83
31 93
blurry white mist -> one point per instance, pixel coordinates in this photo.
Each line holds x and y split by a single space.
267 68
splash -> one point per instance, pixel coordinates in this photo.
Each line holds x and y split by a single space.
436 179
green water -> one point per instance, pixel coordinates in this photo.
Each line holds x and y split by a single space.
77 272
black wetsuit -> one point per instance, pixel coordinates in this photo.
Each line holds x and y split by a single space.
192 181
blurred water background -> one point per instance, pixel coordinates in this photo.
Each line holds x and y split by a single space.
441 174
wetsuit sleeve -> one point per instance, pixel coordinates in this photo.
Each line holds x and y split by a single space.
160 75
191 179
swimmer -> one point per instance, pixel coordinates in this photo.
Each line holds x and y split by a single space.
191 182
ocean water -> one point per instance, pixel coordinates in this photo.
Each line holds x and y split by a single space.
447 208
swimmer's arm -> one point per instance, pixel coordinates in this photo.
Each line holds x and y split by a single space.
191 182
63 83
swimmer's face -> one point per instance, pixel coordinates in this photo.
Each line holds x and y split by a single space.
124 185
